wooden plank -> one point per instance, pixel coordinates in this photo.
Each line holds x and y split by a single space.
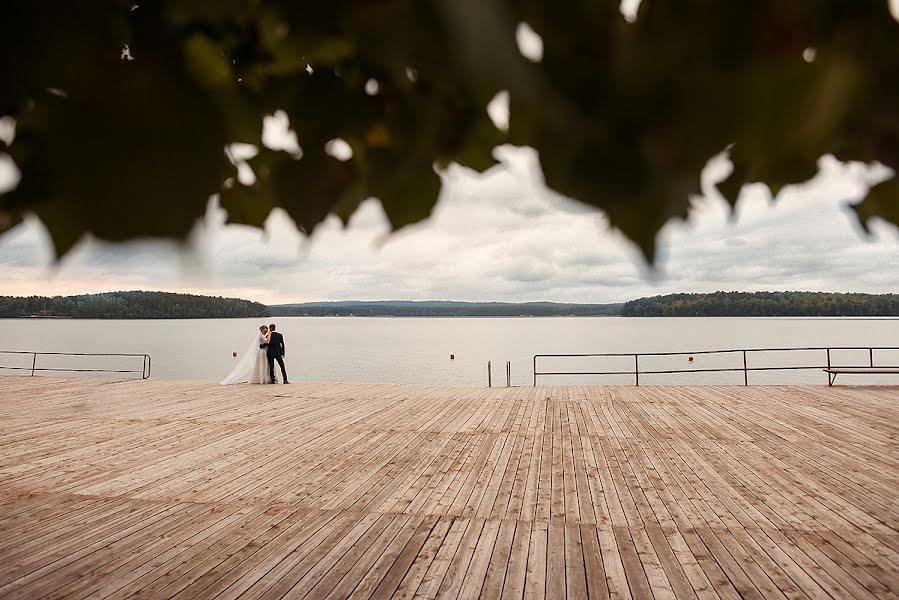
419 567
674 573
199 536
267 530
555 559
535 582
26 572
186 489
363 566
831 574
634 568
298 581
458 567
68 576
695 571
474 579
499 560
396 574
730 567
575 564
594 572
384 565
438 568
341 566
517 570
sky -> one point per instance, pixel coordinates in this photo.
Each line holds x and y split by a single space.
497 236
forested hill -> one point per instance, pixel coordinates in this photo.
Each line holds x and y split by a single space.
402 308
764 304
164 305
131 305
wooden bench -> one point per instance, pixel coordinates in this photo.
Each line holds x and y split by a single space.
832 372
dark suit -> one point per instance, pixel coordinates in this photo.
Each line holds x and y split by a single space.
275 352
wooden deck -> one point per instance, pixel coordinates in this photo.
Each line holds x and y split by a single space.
161 489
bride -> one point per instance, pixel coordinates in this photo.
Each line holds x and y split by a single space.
253 367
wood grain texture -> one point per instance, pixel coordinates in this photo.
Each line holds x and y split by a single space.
161 489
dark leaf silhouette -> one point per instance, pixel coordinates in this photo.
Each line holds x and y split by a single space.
123 111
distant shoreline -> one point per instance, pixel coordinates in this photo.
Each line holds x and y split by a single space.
717 304
269 318
139 305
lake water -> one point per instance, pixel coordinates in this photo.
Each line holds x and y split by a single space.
417 350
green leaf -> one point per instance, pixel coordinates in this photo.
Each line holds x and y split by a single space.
247 205
882 201
207 62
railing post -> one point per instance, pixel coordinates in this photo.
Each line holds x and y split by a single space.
508 373
829 382
535 370
33 362
745 371
871 357
489 382
637 369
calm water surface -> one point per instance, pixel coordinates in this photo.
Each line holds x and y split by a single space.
417 350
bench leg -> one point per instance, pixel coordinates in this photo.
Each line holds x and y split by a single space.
831 377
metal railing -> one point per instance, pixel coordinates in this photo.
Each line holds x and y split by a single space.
144 370
508 374
745 369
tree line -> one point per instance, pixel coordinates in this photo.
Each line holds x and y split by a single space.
398 308
131 305
764 304
165 305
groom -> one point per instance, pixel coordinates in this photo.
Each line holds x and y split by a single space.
275 352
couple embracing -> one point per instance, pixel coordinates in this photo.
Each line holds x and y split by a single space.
258 363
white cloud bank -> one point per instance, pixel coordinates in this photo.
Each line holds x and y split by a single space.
497 236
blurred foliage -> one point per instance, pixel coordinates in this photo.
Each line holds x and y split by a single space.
123 109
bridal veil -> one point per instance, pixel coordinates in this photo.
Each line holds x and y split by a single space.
244 369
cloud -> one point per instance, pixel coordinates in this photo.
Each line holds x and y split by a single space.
807 238
501 235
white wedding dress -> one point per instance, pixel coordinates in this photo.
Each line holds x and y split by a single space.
253 367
